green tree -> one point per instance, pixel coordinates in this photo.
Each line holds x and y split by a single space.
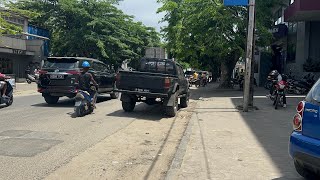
92 28
6 10
210 33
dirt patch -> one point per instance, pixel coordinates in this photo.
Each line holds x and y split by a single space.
142 150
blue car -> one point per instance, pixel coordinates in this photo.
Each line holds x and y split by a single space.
304 146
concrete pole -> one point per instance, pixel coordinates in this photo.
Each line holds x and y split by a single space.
247 85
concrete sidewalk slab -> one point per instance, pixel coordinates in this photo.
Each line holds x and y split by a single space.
25 89
228 144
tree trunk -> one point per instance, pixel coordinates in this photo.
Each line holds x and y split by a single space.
227 67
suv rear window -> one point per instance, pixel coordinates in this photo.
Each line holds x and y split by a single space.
61 64
314 94
157 66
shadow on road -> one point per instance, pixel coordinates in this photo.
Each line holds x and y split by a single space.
142 111
67 103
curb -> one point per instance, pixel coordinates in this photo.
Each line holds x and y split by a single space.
181 151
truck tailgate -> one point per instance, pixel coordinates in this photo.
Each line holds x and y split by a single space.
142 81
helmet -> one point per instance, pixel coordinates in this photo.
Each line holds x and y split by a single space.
273 75
85 64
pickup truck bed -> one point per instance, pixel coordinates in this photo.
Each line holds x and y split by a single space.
164 87
144 83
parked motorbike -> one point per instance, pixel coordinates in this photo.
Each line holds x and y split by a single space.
195 82
279 94
32 78
8 100
303 86
83 103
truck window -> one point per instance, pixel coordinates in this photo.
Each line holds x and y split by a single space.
157 66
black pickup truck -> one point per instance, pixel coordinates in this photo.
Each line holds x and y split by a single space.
154 81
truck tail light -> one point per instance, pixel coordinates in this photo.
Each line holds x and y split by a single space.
297 119
167 83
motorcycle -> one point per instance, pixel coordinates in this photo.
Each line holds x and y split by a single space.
303 86
32 78
195 82
83 103
8 100
279 94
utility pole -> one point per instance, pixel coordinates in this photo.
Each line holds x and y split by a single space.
246 96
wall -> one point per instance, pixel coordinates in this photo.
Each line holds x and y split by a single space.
314 47
37 47
301 51
12 43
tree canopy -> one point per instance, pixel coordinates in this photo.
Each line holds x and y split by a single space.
206 33
91 28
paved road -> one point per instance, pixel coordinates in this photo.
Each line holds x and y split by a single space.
36 139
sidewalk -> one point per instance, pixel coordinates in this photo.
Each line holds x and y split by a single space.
223 143
24 89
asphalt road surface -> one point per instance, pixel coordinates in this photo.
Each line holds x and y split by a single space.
36 139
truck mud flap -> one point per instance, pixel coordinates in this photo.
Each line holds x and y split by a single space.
169 101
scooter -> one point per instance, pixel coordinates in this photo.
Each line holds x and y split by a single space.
83 103
8 100
32 78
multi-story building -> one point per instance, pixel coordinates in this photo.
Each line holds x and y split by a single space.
19 51
303 17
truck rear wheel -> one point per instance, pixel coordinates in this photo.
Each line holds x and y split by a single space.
171 111
51 99
128 106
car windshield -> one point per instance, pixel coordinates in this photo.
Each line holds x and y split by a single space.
314 94
61 64
157 66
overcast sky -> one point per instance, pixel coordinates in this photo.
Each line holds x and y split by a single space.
144 11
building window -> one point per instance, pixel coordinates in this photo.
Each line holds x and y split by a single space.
6 66
292 42
291 1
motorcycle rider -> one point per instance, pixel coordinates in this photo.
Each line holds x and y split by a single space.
195 76
276 78
4 84
85 80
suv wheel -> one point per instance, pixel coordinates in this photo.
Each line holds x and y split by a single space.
51 99
114 95
171 111
303 171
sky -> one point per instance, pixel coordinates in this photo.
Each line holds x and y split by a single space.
144 11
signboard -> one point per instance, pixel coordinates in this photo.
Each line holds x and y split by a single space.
236 2
19 52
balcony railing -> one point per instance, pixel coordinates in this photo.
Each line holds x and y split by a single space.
13 43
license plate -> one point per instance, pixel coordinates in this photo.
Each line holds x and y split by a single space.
78 103
56 76
142 90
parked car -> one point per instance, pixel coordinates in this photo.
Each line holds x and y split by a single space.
305 139
155 81
59 77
